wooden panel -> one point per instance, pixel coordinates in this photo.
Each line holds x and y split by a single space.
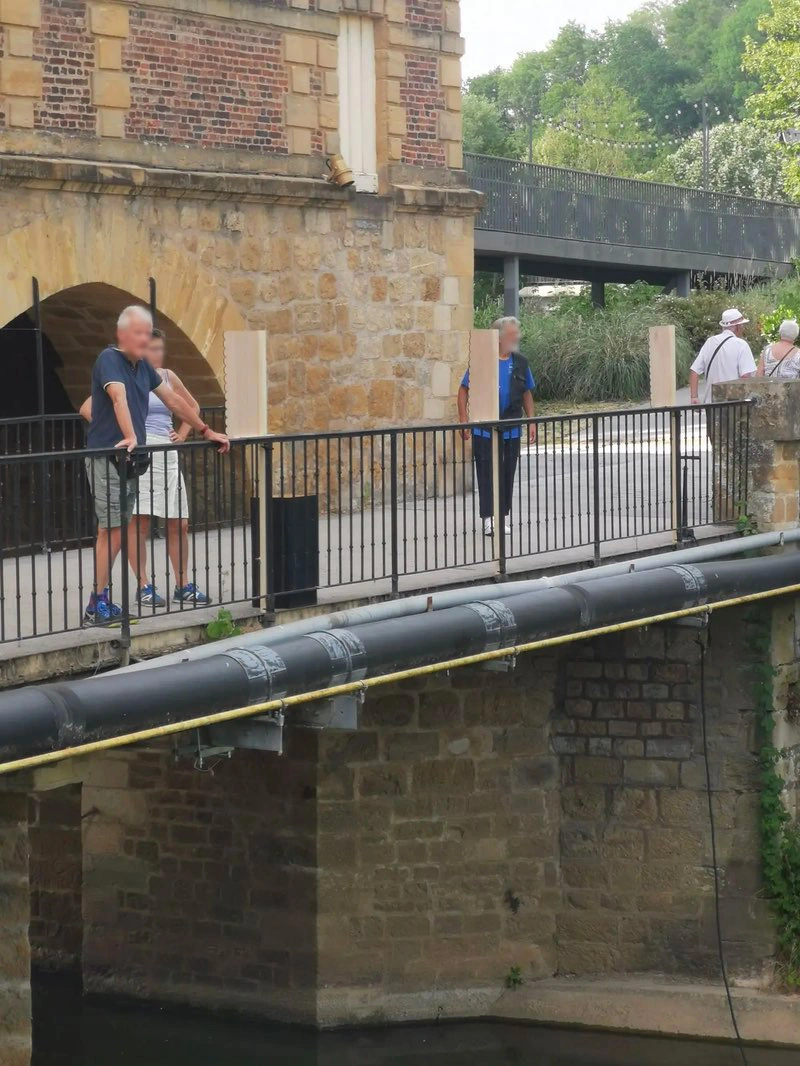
662 366
484 375
245 366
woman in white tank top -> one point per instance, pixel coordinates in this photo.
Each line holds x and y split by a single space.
781 361
162 494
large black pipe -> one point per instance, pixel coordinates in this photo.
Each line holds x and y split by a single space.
49 718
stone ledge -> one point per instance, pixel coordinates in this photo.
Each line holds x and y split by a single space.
319 23
655 1005
646 1005
129 179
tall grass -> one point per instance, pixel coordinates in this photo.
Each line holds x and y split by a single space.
587 355
603 355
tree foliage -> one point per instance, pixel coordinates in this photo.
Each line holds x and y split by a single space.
744 159
623 100
775 61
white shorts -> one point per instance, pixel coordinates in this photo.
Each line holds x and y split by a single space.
162 490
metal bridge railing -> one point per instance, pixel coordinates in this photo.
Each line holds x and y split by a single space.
537 200
374 512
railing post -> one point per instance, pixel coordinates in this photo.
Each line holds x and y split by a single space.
125 604
256 493
680 500
153 299
596 487
393 521
265 530
40 403
498 501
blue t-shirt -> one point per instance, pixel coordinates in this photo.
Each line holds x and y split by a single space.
505 395
139 379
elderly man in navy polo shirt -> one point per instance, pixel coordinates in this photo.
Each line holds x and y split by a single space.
122 381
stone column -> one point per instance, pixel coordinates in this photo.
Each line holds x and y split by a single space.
683 283
772 451
15 956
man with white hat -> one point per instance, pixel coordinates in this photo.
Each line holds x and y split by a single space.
724 357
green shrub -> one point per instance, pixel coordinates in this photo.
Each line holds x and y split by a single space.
603 355
581 353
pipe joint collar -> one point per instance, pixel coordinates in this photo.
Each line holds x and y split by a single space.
265 671
499 623
346 652
693 579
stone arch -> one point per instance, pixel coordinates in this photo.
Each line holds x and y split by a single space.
105 254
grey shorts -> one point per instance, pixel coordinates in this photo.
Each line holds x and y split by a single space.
105 485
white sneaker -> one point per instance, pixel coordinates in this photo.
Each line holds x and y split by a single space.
507 527
488 527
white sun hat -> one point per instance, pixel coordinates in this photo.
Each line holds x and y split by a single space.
733 317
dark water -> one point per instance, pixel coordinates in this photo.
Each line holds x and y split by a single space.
69 1031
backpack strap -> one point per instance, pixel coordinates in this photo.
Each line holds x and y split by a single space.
721 345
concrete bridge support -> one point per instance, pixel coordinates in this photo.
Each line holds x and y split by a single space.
511 285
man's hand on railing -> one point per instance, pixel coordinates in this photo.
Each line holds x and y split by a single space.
217 438
128 443
466 433
695 399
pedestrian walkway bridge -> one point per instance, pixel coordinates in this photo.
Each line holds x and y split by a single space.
553 222
371 514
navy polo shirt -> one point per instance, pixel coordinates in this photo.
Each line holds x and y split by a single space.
139 379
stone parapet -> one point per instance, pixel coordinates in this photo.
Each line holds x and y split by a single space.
773 449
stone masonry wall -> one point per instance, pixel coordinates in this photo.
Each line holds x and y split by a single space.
202 881
553 819
56 877
636 868
15 960
365 301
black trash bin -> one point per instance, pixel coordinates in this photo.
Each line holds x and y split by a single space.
294 550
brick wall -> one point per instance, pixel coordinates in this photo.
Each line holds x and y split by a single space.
56 877
66 50
204 81
428 14
424 102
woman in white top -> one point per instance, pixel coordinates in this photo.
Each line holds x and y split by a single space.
162 493
781 360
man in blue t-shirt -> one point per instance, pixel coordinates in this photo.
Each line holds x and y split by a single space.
516 401
122 381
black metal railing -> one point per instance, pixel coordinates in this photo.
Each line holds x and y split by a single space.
376 512
544 201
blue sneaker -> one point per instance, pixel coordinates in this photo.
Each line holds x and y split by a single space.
100 612
190 594
114 608
148 597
